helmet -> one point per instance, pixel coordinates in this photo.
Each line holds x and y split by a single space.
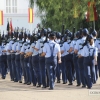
77 34
94 33
49 30
67 31
58 35
90 37
43 32
85 31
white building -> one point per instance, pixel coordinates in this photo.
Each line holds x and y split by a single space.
17 11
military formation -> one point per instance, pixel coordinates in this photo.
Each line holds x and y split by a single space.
47 56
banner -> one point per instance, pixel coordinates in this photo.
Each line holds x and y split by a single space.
1 17
92 12
11 27
30 15
76 9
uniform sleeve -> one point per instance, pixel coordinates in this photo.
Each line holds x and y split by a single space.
72 44
23 49
38 44
9 46
77 46
83 51
58 47
96 52
44 48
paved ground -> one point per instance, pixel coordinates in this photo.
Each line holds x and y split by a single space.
18 91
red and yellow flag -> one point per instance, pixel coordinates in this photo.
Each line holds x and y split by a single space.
30 15
92 12
1 17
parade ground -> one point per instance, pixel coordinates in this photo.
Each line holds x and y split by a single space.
18 91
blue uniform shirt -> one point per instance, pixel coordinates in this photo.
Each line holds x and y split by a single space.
85 51
46 48
33 50
40 44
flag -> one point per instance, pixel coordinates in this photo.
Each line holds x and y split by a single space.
30 15
11 27
76 9
1 17
8 26
92 12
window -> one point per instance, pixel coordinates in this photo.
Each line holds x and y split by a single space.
11 6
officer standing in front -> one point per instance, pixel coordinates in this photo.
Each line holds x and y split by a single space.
51 50
89 53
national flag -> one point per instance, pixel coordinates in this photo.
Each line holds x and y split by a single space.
30 15
11 27
76 8
1 17
92 12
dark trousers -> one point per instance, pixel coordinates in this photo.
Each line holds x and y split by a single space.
23 67
43 70
27 69
99 63
77 70
51 65
35 64
63 67
10 66
82 70
33 76
14 70
2 67
69 61
89 70
18 67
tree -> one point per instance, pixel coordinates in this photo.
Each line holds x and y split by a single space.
62 12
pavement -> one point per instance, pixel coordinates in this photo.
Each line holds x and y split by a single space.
18 91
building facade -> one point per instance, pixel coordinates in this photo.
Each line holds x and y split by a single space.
17 11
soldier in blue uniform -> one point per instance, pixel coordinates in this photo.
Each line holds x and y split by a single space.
58 69
22 52
51 50
13 51
94 34
8 49
32 54
78 49
89 53
39 48
68 58
17 58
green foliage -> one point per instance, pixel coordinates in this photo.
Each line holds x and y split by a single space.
58 12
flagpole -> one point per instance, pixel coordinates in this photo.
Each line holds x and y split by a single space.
94 24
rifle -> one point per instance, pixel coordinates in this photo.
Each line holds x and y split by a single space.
73 34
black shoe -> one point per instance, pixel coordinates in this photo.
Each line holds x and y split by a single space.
38 86
20 81
29 83
78 85
51 89
34 84
64 82
43 86
70 84
12 80
88 87
83 86
58 81
47 86
25 82
3 77
15 81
